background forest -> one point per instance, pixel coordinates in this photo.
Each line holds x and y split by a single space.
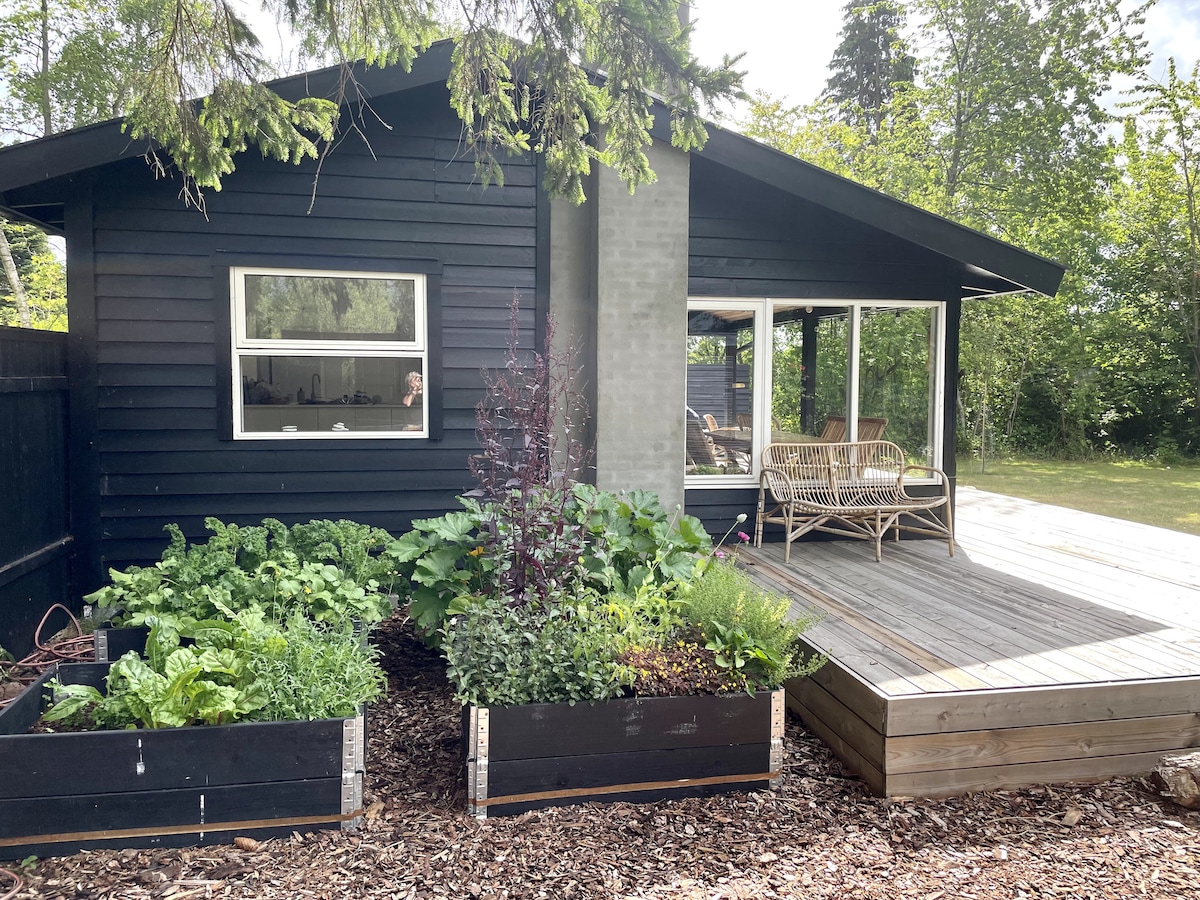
1000 114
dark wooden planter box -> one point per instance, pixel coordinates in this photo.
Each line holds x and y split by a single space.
171 787
639 750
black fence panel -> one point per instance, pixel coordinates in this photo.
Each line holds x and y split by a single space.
35 533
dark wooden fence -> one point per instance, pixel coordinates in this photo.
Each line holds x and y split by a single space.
35 534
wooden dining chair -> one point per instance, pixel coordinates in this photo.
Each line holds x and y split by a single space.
700 451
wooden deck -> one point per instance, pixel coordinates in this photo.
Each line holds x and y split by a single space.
1055 646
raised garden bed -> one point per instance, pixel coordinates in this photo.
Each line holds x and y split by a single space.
171 787
636 749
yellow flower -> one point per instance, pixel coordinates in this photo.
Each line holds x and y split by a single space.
478 551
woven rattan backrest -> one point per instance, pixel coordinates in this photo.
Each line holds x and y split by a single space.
834 474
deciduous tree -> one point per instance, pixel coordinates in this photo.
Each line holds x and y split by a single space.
1153 271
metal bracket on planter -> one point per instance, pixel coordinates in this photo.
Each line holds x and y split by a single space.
777 718
101 638
353 762
477 761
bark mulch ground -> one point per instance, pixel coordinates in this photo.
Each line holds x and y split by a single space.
821 836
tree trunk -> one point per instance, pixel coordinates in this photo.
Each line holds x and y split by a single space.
14 279
47 118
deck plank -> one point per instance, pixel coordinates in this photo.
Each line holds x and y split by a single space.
1054 646
944 606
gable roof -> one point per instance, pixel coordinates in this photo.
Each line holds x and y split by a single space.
31 174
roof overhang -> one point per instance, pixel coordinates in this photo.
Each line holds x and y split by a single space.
51 159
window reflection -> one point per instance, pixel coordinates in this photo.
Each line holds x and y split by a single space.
720 391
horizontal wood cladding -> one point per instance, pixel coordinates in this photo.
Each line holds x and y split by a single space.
747 240
718 508
409 196
282 504
271 482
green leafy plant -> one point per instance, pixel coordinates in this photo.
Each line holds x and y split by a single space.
501 655
356 549
439 560
632 539
328 567
734 649
246 667
193 685
313 671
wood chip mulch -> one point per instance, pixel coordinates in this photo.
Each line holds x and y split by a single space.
821 836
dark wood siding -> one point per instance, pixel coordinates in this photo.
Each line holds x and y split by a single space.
750 240
161 336
718 509
35 538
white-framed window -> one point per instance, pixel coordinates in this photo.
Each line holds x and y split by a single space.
769 370
328 354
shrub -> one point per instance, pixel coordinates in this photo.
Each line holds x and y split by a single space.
502 655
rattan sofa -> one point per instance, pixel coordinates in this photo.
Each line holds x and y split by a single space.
855 490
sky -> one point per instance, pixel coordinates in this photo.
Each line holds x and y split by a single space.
789 43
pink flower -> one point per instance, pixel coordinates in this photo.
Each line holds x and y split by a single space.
720 554
742 536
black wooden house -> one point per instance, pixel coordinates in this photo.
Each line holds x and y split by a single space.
260 359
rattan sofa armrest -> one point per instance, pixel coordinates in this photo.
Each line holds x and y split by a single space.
784 480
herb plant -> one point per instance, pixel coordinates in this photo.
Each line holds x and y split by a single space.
500 655
746 627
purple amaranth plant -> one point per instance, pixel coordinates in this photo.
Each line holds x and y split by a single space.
528 425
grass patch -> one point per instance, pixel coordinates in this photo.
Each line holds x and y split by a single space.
1166 496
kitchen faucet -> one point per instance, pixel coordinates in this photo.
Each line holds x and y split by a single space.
316 386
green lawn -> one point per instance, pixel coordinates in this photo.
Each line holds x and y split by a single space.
1167 496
